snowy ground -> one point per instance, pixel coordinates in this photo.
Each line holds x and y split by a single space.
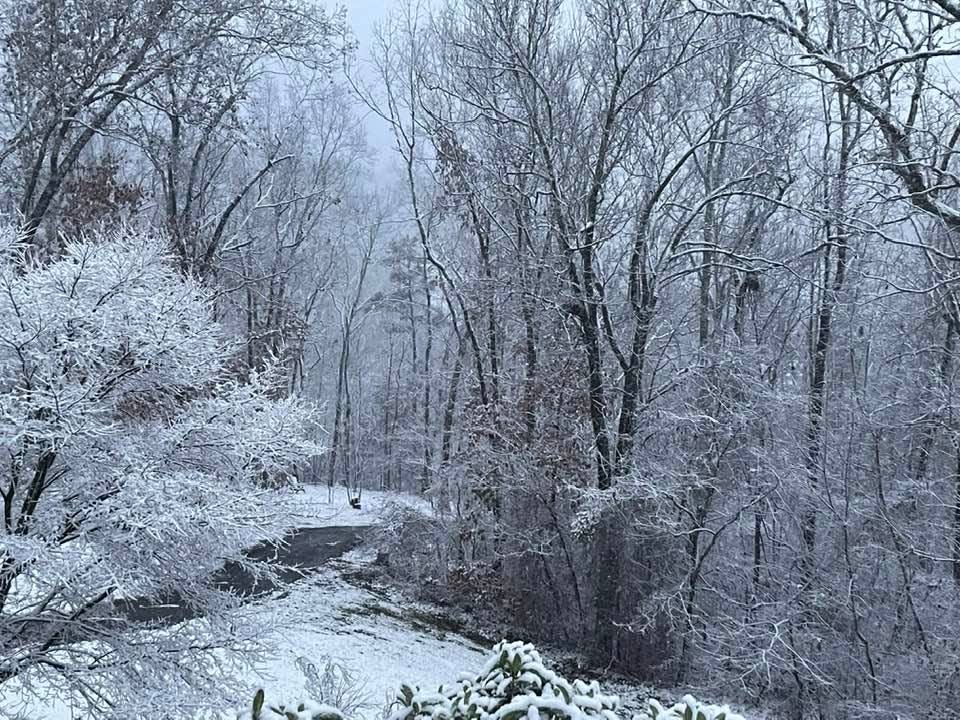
313 509
326 616
368 634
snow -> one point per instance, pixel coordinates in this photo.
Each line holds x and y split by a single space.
688 705
327 616
364 629
301 710
513 683
362 632
312 507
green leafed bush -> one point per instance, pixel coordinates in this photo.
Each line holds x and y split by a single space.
513 684
689 708
303 710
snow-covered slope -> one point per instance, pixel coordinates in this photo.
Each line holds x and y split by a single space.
325 616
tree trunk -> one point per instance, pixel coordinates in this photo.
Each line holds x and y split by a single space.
837 237
427 441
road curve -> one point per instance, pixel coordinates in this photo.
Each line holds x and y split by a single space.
300 553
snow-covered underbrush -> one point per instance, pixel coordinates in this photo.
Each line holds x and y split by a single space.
514 684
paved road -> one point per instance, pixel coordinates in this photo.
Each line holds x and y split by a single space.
303 551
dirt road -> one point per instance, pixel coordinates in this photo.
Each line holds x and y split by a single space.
303 551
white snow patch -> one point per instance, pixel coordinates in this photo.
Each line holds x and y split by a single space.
334 619
326 616
313 508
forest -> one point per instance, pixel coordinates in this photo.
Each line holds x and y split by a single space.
651 306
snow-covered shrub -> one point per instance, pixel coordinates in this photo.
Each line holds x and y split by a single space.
513 684
132 459
411 542
303 710
689 708
333 684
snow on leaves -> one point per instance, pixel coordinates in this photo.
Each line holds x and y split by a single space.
513 684
304 710
689 708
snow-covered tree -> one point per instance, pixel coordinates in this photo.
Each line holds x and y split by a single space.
134 466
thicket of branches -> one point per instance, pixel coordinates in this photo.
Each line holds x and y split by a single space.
659 307
681 324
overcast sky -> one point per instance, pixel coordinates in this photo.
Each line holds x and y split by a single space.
363 16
